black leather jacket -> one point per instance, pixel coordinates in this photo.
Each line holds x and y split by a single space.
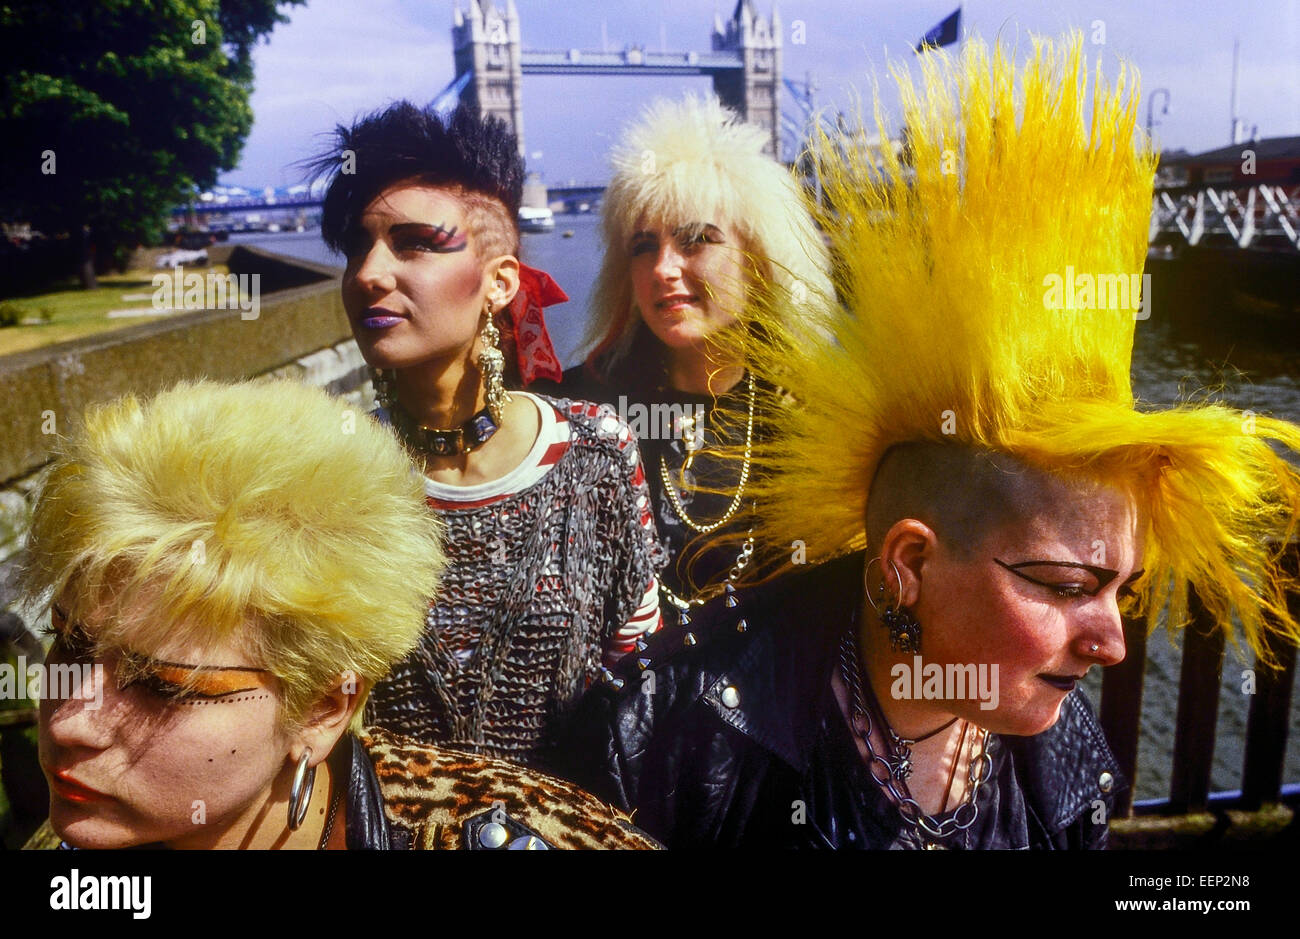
367 828
731 737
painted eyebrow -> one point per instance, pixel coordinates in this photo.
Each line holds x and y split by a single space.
452 239
160 663
1104 575
150 662
404 228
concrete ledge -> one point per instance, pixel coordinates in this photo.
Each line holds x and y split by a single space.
301 332
1217 830
339 369
279 271
44 392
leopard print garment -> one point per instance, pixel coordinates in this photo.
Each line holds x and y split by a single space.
431 792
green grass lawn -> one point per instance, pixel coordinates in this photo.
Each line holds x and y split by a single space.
69 312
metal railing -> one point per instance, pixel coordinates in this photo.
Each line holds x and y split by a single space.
1265 214
1197 718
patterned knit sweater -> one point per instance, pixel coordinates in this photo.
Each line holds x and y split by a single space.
537 583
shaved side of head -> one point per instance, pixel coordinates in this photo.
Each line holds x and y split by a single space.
961 492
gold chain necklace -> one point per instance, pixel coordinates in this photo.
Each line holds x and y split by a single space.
708 593
676 502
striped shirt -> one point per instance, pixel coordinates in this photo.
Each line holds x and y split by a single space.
551 571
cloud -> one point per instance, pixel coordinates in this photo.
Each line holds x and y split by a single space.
331 62
334 60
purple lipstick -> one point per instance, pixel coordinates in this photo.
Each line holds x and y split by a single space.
378 318
1064 683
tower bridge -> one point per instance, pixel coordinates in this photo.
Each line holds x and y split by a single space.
744 62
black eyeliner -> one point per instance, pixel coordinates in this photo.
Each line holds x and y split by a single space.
1104 575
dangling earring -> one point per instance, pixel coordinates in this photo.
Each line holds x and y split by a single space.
385 390
904 630
491 363
304 780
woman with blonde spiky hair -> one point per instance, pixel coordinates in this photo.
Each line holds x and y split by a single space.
966 460
698 221
230 569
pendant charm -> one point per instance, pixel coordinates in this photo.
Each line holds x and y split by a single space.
900 759
492 364
687 478
900 764
690 431
904 631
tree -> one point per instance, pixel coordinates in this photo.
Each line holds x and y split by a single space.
115 110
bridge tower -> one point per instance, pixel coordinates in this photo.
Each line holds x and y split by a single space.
485 41
754 92
746 76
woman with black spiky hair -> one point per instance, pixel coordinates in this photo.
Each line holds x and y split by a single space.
552 549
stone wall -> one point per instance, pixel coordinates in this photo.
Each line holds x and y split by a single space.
301 331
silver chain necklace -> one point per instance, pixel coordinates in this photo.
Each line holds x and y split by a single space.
979 771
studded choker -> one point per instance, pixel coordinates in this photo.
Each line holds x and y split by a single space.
468 436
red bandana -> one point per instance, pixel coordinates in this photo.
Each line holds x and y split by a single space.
533 349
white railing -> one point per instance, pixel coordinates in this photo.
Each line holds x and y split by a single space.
1244 215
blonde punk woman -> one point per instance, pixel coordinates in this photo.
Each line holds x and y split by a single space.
967 462
233 568
698 221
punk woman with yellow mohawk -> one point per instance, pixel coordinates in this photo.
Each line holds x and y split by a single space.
966 459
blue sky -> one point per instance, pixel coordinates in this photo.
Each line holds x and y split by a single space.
336 58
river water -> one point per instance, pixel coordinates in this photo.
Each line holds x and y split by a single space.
1174 357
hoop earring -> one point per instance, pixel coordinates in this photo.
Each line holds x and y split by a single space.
904 630
304 780
491 363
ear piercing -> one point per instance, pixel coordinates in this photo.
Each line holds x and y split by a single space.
904 630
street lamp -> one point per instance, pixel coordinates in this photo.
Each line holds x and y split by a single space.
1164 111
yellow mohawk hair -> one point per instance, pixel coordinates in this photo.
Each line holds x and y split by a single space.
958 257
